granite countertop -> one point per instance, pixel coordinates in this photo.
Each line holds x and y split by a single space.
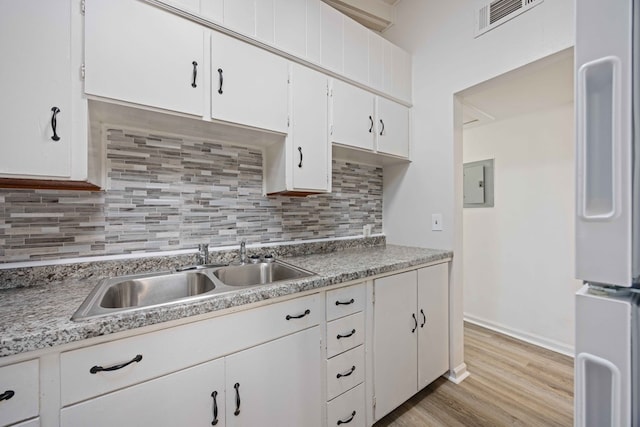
38 317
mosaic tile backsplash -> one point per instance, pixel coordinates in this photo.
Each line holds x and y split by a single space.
167 193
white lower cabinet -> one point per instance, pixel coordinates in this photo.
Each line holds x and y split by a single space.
270 384
410 333
348 408
346 356
306 361
184 398
19 392
276 384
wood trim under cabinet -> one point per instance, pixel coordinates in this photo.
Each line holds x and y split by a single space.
47 184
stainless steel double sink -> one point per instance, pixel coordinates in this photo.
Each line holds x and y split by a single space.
135 292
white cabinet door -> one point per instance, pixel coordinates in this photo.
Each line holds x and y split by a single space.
277 383
239 15
332 38
155 59
35 41
392 123
394 341
212 10
356 51
19 386
401 74
184 398
433 316
314 36
249 85
308 139
376 60
352 116
290 26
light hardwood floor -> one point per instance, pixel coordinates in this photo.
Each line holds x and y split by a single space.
512 383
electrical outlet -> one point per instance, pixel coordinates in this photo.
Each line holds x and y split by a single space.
436 222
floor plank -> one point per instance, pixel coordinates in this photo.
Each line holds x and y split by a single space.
512 383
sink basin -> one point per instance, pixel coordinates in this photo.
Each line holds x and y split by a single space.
259 274
156 290
135 292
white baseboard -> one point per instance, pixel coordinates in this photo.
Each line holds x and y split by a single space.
534 339
458 374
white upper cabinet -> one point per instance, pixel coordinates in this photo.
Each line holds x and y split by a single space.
308 136
332 39
290 26
356 51
44 113
376 61
314 33
389 68
240 16
302 164
36 79
401 74
249 85
392 128
145 64
353 121
213 10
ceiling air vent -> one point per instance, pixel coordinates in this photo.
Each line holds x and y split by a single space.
490 15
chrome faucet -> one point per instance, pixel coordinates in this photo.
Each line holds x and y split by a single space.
203 254
243 252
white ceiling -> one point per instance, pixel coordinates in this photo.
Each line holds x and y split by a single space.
544 84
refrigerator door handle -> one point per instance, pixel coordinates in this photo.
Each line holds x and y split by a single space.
581 388
599 196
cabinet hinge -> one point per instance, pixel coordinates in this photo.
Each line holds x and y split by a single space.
331 130
288 121
82 71
374 402
82 6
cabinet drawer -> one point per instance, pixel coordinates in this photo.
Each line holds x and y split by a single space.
19 384
344 301
345 333
347 406
179 347
345 371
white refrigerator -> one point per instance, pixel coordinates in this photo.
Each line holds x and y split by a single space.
607 368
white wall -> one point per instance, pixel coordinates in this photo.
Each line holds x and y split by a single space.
519 255
447 59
